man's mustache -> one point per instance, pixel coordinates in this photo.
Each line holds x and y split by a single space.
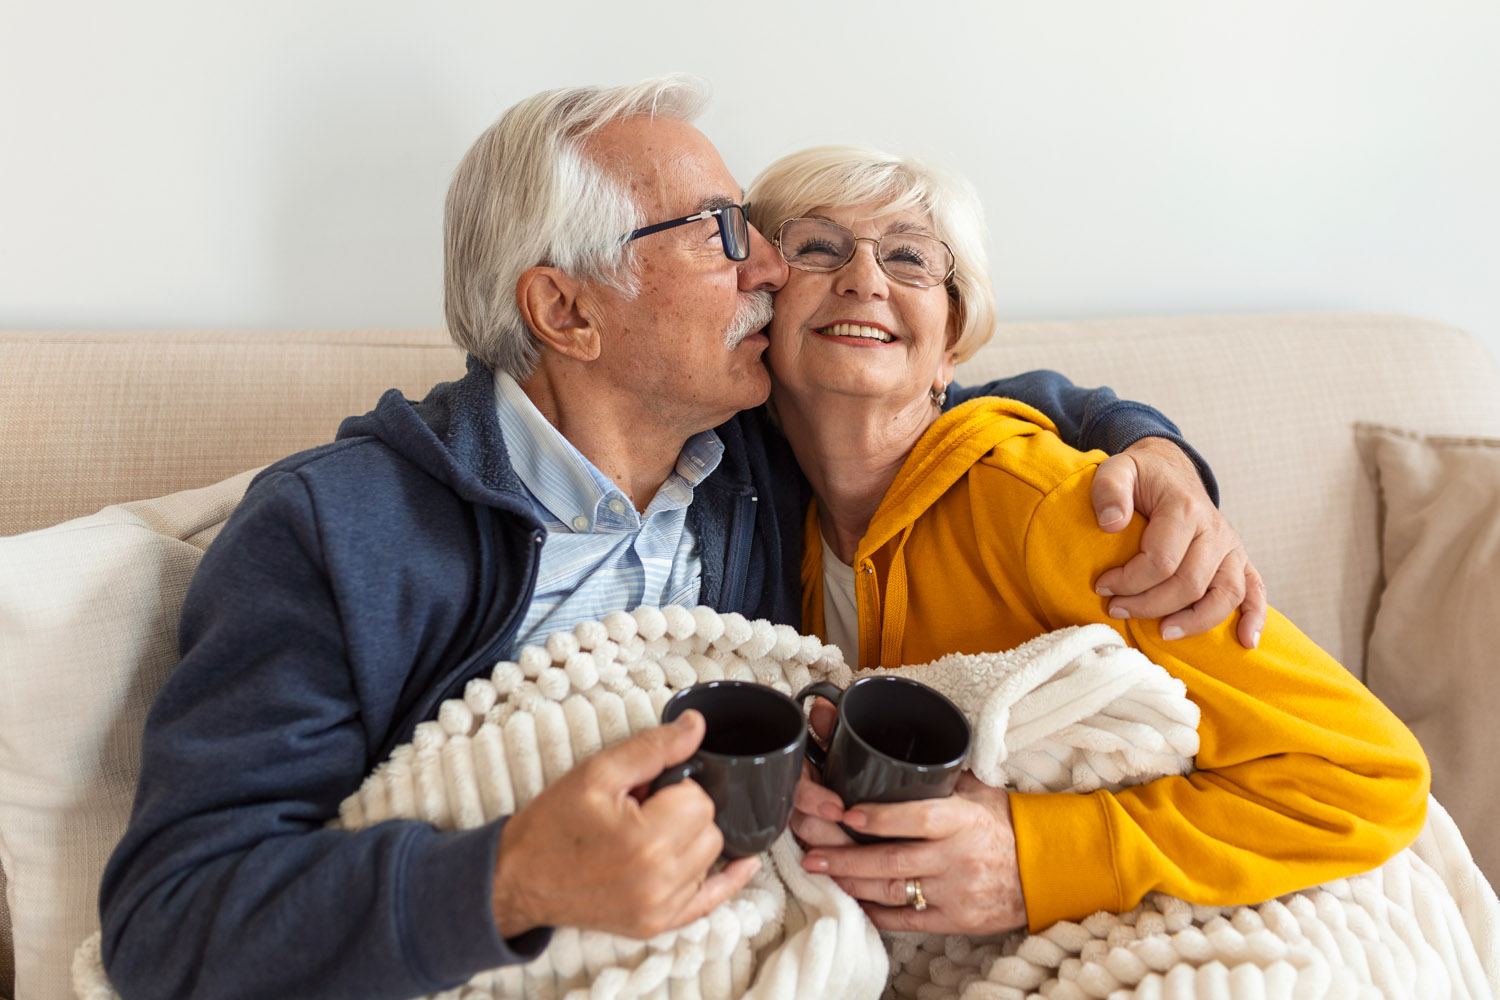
754 312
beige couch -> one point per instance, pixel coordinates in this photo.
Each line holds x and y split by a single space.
1385 547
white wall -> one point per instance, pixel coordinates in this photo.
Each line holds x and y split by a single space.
281 163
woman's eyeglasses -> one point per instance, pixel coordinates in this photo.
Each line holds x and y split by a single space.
820 245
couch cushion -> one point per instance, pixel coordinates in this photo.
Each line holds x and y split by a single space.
1431 657
88 623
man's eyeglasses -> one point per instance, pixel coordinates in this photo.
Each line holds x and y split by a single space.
734 229
820 245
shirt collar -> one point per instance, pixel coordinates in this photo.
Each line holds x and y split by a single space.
567 484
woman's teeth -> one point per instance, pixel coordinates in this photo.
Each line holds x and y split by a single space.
854 330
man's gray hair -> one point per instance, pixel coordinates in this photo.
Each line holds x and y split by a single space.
527 194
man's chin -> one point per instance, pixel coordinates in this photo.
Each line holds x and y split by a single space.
753 387
757 341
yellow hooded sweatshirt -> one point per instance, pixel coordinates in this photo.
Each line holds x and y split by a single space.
986 539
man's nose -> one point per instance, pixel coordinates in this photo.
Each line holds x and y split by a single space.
763 269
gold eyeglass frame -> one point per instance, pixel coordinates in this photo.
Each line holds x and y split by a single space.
952 257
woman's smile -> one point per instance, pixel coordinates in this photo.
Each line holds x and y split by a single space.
865 332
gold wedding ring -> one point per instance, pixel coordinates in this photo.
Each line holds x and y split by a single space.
914 897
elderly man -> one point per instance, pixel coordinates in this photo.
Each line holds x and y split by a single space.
610 294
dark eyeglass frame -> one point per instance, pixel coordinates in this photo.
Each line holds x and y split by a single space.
735 246
854 248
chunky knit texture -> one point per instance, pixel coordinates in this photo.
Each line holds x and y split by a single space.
1074 710
1425 924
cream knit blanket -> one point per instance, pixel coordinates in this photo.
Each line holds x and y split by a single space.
1074 710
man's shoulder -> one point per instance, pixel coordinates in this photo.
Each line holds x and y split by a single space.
323 489
347 462
328 457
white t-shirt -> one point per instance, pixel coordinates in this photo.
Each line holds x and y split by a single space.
840 605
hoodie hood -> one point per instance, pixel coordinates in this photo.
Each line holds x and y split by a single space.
453 435
943 455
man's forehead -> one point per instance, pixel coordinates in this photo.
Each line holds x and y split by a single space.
666 161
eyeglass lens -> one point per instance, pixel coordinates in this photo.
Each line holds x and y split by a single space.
818 245
734 230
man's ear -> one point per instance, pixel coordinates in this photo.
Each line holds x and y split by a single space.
553 305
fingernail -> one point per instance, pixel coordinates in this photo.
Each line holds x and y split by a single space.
831 812
1170 632
683 722
856 819
1104 591
1110 515
1255 640
815 863
1118 613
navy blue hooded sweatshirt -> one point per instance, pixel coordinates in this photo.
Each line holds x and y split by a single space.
355 587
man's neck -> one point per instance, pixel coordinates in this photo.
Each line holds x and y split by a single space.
636 451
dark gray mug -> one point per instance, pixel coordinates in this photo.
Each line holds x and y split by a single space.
749 761
896 740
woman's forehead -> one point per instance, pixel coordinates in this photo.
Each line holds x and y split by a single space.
882 217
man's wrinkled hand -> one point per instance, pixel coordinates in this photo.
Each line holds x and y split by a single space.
1192 570
587 852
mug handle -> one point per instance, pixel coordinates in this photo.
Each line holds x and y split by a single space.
678 772
815 753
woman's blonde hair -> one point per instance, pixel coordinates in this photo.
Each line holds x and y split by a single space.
834 176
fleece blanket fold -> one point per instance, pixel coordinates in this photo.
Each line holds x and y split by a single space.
1074 710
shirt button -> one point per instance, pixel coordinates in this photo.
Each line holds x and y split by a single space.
617 505
580 523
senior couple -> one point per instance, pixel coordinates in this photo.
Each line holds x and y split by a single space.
609 448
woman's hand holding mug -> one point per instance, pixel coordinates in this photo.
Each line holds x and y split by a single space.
896 825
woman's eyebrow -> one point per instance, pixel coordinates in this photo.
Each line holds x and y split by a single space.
901 226
910 227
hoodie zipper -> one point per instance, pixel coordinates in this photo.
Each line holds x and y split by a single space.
740 538
490 652
472 666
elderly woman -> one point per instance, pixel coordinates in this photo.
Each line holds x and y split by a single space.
1303 776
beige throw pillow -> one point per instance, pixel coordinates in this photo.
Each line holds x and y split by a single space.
1433 656
88 632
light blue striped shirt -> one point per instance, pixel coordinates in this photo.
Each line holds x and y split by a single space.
601 555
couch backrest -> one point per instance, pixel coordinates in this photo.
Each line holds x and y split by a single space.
91 419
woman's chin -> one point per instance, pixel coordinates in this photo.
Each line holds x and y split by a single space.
839 393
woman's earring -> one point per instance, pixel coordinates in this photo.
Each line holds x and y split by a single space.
938 396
